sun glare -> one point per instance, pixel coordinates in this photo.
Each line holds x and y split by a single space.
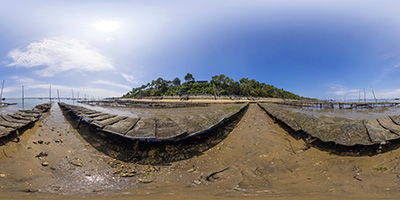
107 25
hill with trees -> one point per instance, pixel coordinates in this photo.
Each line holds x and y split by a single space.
219 85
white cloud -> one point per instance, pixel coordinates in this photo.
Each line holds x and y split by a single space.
60 55
129 78
23 79
388 94
112 84
340 90
65 91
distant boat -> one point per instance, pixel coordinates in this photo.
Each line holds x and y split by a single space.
3 99
396 98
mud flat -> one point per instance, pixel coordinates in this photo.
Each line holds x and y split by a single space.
340 130
11 124
256 160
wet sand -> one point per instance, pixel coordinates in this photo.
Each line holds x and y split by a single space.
258 159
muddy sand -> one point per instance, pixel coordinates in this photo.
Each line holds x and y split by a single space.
258 159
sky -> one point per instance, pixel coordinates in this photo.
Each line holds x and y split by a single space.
321 49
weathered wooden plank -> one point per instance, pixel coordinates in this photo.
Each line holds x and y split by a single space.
144 128
103 117
377 133
10 118
387 123
18 116
4 131
188 124
109 121
396 119
167 128
91 116
27 114
353 134
11 124
123 126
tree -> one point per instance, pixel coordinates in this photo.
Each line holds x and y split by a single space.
219 84
176 81
189 77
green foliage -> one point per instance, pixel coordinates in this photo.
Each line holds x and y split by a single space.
189 77
220 85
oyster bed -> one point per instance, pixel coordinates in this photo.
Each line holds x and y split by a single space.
178 124
340 130
10 123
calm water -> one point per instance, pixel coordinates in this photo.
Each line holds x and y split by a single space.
27 104
31 103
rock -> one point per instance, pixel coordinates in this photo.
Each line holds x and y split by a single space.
42 155
128 174
144 180
2 175
45 164
191 170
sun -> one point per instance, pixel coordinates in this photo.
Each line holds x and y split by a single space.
107 25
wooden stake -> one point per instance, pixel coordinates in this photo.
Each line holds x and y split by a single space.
1 94
373 94
365 100
50 93
23 100
58 94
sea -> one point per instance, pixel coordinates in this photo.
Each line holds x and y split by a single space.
30 103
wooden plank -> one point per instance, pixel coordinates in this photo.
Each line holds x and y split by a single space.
10 118
377 133
387 123
144 128
109 121
5 131
91 116
27 114
396 119
18 116
167 128
11 124
121 127
103 117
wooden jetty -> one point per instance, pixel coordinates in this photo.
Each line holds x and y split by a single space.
159 128
339 105
11 123
340 130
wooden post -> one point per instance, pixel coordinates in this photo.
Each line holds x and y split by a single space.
23 103
73 100
50 93
374 94
365 100
58 94
1 94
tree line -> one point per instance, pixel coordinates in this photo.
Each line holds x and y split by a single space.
219 85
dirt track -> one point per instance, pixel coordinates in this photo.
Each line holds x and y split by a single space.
258 159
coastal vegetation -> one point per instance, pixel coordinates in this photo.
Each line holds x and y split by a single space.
219 85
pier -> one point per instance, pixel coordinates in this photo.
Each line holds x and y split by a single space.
338 105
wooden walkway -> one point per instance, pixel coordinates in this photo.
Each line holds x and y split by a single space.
340 105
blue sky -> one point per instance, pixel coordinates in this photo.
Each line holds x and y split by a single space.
322 49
